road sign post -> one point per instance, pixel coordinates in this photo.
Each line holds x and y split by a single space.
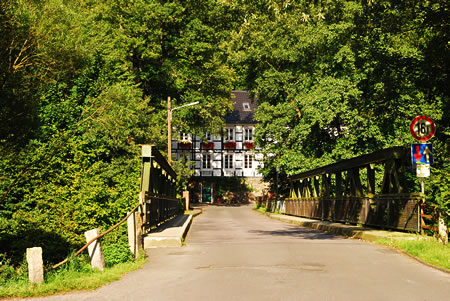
422 128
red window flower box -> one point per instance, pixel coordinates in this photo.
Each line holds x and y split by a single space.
208 145
230 145
185 145
248 145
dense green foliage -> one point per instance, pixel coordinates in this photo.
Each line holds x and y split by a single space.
83 82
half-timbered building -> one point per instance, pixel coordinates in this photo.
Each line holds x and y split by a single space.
231 155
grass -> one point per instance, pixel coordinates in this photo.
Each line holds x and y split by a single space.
264 210
261 209
66 280
192 211
426 249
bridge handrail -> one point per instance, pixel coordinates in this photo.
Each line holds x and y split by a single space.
158 188
97 237
383 155
157 176
335 192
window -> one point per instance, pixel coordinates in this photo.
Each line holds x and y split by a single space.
228 161
206 161
248 134
248 160
184 157
208 136
229 134
246 106
185 137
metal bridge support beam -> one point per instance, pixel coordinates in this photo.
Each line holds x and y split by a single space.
338 184
371 179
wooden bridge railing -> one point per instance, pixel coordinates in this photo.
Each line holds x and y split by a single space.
158 188
348 191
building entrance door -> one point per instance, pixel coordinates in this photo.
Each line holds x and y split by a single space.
206 193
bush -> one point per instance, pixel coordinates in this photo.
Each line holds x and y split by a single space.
80 263
181 206
117 252
9 271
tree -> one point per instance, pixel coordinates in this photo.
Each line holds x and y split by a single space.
17 54
339 78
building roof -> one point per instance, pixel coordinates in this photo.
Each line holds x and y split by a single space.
243 108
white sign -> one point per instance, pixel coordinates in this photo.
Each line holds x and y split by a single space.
423 170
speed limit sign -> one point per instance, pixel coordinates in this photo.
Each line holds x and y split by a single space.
422 128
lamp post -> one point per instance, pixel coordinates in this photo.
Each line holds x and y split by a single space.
276 182
169 125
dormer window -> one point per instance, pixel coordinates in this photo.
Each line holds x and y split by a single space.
185 137
246 106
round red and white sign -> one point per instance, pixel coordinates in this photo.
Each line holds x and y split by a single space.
422 128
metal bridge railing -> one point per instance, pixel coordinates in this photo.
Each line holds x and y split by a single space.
347 191
158 188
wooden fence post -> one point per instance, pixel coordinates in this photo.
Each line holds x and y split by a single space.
186 198
35 265
95 249
443 230
135 233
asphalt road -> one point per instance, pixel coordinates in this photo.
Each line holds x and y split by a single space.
233 253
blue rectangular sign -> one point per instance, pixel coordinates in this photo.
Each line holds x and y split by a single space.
422 153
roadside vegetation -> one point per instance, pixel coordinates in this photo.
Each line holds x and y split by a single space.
426 249
75 275
262 209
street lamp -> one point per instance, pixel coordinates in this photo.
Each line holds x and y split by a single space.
169 125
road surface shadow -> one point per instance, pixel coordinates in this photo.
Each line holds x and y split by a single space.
296 232
177 221
242 204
